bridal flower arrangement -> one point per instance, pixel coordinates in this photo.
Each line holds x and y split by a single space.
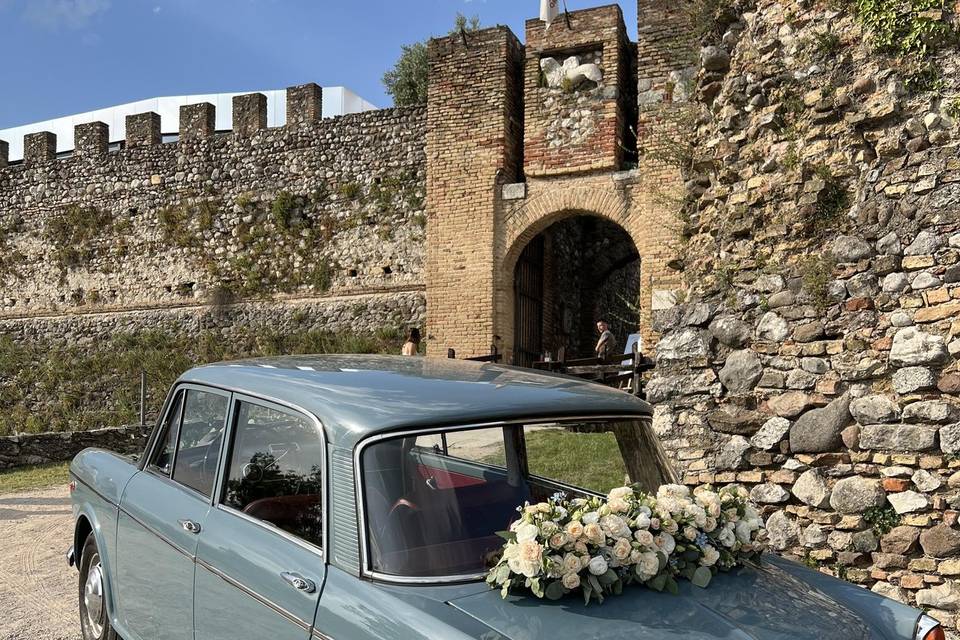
597 545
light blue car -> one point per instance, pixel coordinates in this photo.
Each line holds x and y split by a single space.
357 497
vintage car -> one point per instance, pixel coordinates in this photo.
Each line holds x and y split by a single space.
358 497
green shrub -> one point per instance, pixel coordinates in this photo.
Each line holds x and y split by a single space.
882 519
906 29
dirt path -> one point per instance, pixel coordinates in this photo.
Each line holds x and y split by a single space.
38 591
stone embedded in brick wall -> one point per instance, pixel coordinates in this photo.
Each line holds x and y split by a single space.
44 448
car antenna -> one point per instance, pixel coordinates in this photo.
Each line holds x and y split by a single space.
143 397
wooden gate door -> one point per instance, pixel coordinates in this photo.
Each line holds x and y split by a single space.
528 305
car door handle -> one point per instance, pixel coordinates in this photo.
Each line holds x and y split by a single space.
298 582
190 526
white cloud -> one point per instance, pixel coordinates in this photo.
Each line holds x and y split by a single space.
157 9
69 14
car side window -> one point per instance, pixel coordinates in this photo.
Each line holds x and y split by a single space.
275 470
201 434
162 461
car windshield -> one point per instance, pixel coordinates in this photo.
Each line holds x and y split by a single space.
434 502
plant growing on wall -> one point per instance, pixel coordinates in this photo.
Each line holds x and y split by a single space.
406 82
75 234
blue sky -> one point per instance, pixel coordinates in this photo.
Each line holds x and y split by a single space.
69 56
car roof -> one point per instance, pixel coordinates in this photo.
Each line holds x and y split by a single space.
359 395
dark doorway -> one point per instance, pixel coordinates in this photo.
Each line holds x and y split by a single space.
572 274
528 304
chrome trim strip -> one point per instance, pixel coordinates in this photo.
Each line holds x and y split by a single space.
256 596
365 571
300 542
238 395
162 538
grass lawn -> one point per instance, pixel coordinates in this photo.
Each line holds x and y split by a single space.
588 460
38 477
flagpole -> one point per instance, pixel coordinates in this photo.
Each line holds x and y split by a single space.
566 15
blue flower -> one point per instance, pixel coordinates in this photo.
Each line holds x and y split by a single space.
702 540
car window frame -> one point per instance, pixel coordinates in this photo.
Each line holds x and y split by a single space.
157 442
365 556
227 451
162 432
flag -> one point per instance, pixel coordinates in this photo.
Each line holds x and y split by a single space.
549 10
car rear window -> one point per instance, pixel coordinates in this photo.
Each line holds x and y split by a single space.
434 502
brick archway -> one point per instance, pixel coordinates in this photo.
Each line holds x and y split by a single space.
649 226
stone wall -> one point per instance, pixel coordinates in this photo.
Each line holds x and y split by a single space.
45 448
815 358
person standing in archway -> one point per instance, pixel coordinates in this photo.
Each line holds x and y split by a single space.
606 345
412 346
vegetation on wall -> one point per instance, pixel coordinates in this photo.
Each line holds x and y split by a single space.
54 387
406 82
76 232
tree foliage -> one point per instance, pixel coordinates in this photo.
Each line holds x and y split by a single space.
406 82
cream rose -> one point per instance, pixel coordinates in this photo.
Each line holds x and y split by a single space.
614 526
622 549
571 581
710 556
643 536
594 533
618 506
557 540
527 532
574 529
649 564
690 533
571 563
529 558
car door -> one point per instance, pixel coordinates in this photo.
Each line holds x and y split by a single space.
260 564
162 512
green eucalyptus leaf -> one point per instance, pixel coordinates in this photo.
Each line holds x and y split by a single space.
554 590
536 587
701 577
657 582
594 583
672 586
509 536
608 578
662 557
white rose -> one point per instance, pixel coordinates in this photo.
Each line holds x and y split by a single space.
649 564
580 547
665 543
549 528
571 581
620 493
643 521
557 540
527 532
643 536
597 566
727 537
654 523
690 533
591 517
635 556
618 506
710 556
530 558
710 524
614 526
673 491
669 526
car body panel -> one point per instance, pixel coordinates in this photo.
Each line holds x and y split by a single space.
225 582
774 601
155 557
239 583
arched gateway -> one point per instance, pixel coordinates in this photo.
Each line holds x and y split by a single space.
542 213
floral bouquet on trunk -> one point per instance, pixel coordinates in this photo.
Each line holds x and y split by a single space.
598 545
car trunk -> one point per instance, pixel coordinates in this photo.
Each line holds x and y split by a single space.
769 602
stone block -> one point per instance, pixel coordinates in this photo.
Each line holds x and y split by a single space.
515 191
39 147
249 114
304 104
197 121
4 153
143 130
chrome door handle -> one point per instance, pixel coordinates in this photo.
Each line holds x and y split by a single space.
298 582
190 526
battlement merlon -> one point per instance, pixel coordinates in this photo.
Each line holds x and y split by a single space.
4 153
197 121
304 104
249 114
39 147
91 140
143 130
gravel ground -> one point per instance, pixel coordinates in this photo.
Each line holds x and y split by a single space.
38 591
